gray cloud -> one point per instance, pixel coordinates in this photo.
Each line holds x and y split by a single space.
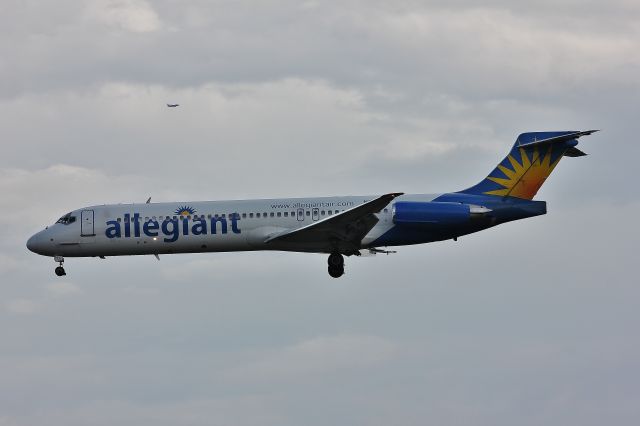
531 322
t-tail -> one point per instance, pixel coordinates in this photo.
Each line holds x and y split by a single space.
530 162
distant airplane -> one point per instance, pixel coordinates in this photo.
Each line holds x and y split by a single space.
337 226
173 105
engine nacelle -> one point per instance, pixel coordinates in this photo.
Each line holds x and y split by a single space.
434 213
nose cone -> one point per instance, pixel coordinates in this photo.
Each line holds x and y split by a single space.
37 243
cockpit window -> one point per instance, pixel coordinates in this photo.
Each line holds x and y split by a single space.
66 219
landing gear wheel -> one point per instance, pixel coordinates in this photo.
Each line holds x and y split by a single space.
336 260
336 271
59 270
336 265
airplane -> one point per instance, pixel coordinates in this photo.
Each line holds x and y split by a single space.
173 105
334 226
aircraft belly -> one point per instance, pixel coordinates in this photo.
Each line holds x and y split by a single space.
151 245
305 247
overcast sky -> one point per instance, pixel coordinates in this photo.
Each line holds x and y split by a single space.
530 323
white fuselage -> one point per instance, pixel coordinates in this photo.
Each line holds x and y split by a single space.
207 226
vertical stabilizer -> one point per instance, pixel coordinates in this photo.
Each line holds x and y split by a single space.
529 163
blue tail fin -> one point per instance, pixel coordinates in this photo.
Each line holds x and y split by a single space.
529 163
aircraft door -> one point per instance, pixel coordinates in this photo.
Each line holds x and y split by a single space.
300 214
315 214
86 224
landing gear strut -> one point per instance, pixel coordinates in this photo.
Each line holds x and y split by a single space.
336 265
60 270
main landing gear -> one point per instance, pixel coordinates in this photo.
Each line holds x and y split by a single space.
60 270
336 265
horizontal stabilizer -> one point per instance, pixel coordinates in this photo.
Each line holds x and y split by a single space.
555 139
574 152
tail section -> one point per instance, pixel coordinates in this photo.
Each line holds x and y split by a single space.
530 162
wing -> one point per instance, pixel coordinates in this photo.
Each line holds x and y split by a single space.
342 232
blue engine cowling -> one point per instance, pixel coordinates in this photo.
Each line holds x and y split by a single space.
431 213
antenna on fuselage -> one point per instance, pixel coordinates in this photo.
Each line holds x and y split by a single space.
148 200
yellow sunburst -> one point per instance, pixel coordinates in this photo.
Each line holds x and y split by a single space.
185 211
526 178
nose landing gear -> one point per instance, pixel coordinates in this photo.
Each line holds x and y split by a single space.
336 265
59 270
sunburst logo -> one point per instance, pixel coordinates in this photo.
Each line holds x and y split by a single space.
185 211
525 177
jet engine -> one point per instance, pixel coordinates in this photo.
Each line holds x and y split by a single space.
437 214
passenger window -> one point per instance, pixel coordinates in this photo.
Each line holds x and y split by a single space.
386 210
308 213
329 212
271 214
279 214
119 219
322 212
286 214
264 214
244 215
250 215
